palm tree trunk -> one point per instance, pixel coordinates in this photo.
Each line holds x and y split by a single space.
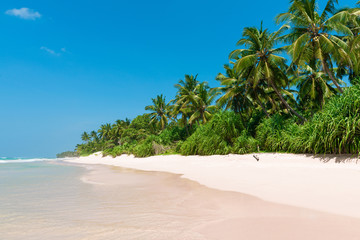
187 130
185 124
261 105
264 109
329 73
286 104
321 99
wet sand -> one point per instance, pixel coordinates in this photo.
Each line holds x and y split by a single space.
165 206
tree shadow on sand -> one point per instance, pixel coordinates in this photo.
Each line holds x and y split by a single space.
336 158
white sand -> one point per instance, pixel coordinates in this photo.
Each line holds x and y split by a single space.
297 180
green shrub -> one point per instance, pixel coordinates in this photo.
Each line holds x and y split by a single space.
245 144
119 150
336 129
144 149
67 154
269 132
178 146
150 146
171 135
215 137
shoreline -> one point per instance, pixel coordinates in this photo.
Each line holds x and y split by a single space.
197 212
324 183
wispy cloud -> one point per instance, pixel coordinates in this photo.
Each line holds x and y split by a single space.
50 51
24 13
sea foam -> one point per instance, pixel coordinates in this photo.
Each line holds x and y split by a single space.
27 160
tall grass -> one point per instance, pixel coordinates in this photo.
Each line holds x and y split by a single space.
245 144
334 130
215 137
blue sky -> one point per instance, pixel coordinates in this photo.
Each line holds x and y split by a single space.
70 66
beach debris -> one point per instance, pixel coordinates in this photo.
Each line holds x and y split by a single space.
256 157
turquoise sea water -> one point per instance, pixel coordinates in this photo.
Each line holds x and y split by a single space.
36 198
47 199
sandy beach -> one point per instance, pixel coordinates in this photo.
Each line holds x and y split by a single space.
287 196
324 183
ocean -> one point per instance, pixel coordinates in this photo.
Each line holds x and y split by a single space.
36 198
49 199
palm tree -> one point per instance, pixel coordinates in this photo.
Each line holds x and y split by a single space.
160 111
85 137
105 131
353 46
119 126
313 88
239 95
312 37
200 102
185 89
94 136
259 64
234 91
189 84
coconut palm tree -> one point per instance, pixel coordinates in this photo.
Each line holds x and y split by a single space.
120 125
185 89
94 136
234 91
259 63
85 137
160 111
312 35
313 88
189 84
105 131
353 46
200 102
118 128
239 95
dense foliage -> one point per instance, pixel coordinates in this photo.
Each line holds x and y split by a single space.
67 154
335 129
281 91
215 137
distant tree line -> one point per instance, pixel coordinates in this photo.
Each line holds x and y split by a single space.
67 154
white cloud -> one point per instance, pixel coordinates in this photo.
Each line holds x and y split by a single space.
24 13
50 51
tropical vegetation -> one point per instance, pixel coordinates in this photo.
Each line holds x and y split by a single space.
67 154
281 91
